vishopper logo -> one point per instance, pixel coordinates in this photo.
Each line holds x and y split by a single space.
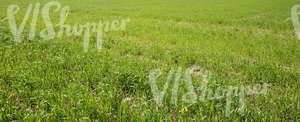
190 97
295 19
49 32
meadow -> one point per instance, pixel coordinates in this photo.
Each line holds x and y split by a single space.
241 42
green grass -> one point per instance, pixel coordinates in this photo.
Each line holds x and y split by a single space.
243 42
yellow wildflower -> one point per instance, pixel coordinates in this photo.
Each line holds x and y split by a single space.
184 109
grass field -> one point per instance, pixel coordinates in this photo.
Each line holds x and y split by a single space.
242 42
